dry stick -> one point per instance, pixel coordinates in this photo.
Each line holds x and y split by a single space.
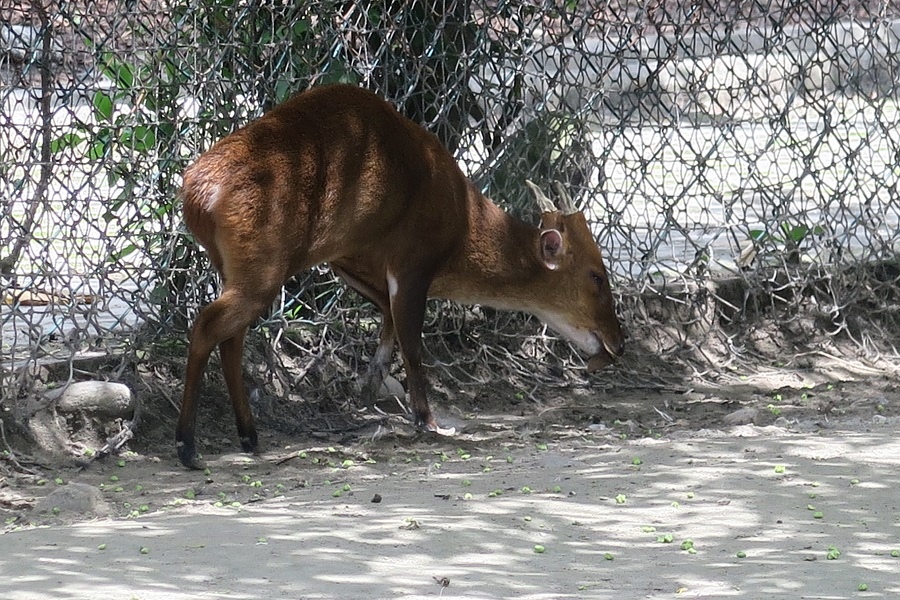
8 263
165 394
10 455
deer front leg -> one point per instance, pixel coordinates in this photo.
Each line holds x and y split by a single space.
408 295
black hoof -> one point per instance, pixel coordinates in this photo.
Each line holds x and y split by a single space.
187 454
250 443
430 425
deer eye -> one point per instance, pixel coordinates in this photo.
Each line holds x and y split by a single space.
599 280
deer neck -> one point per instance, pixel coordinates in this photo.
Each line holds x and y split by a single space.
497 265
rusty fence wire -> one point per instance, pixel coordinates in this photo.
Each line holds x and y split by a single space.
736 160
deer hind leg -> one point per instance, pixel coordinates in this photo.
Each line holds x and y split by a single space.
380 365
222 323
232 353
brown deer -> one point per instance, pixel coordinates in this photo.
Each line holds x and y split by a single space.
336 175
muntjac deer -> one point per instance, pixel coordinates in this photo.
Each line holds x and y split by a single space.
336 175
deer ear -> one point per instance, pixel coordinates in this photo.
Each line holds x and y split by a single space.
551 248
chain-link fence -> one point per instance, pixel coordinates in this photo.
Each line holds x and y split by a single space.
735 159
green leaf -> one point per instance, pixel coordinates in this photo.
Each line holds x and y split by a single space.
757 234
159 294
97 150
124 76
118 202
301 28
121 73
282 90
174 73
64 141
265 37
150 102
336 72
165 131
103 106
119 254
373 13
798 233
164 209
140 138
113 176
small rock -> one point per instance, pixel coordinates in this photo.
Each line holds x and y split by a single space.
101 397
20 41
782 422
390 388
76 498
742 416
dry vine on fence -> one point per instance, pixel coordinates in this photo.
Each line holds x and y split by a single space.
738 163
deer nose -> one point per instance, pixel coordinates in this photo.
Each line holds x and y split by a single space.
615 342
616 348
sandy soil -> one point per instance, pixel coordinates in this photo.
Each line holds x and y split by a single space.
615 489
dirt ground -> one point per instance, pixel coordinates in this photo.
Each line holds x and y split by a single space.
780 484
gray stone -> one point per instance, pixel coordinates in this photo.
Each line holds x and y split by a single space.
74 498
20 41
739 86
391 388
102 398
742 416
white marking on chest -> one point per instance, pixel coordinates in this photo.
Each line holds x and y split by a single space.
392 285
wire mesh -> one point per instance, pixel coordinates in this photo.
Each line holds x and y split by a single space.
734 159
